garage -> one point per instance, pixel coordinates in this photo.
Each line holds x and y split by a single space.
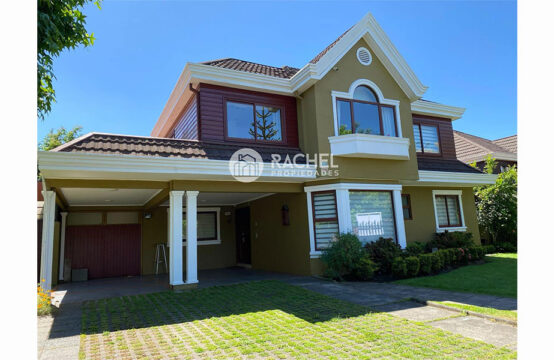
105 250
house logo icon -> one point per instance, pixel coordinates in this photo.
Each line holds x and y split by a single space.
246 165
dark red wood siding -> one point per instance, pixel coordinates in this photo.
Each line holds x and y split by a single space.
212 103
446 135
105 250
187 127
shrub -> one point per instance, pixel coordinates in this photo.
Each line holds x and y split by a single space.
505 247
436 264
383 252
489 249
412 266
462 256
343 258
415 248
365 269
444 255
398 267
425 264
449 240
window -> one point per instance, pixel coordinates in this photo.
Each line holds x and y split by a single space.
254 122
426 138
406 207
372 215
326 224
363 114
447 209
207 227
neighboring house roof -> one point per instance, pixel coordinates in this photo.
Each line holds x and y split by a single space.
164 147
509 143
445 165
285 72
324 51
471 148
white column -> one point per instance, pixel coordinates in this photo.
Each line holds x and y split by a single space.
47 250
192 266
399 218
62 246
175 218
343 211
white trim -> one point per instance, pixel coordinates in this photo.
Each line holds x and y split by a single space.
370 146
381 98
435 109
449 228
175 219
47 243
109 166
507 156
192 233
367 28
62 245
343 208
446 178
218 225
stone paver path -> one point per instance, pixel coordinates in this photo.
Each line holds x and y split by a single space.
395 299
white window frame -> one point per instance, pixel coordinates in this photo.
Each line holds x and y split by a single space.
449 228
381 98
218 222
343 208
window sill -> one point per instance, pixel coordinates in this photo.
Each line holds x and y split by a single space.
370 146
315 254
451 229
205 242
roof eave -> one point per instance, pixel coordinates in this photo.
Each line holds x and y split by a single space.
436 109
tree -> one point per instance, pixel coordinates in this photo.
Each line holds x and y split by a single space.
490 164
265 126
61 136
497 207
60 26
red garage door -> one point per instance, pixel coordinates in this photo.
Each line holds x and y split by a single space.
105 250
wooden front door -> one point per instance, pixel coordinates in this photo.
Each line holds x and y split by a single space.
242 225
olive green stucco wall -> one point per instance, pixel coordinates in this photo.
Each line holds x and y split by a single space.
316 118
277 247
423 225
154 231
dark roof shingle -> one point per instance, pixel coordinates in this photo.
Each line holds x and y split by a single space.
470 147
445 165
285 72
509 143
165 147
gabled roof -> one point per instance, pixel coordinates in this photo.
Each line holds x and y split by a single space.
99 143
289 80
474 148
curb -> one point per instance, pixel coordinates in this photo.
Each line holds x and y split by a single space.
468 312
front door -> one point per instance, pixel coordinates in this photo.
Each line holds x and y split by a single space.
242 225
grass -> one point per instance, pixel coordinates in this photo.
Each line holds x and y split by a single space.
266 319
498 276
506 314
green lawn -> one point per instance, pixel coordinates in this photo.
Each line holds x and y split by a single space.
498 276
506 314
267 319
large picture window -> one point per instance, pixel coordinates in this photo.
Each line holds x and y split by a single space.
326 225
426 138
372 215
364 114
206 226
253 122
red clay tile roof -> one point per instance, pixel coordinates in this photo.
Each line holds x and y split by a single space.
165 147
285 72
509 143
445 165
320 55
471 147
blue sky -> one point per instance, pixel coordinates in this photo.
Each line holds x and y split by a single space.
465 51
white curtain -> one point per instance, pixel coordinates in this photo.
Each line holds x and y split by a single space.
387 115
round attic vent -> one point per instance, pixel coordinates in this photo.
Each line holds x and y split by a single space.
364 56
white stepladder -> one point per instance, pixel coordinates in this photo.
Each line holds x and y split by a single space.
160 257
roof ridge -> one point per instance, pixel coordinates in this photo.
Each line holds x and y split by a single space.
250 62
505 137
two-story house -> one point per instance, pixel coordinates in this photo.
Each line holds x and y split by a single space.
393 172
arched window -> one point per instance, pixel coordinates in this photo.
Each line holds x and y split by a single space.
364 114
